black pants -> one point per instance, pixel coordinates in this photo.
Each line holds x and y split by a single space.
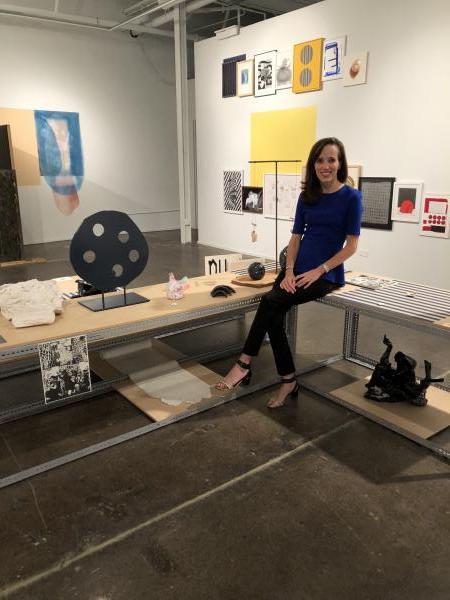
270 316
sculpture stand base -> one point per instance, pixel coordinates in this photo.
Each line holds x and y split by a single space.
117 301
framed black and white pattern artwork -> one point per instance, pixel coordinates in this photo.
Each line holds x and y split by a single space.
265 73
377 201
64 368
232 191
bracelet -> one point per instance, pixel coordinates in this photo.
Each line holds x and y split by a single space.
325 267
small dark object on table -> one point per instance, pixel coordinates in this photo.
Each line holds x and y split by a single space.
256 271
222 290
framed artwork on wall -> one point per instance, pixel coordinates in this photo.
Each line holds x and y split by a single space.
245 77
333 58
289 188
252 199
229 75
435 216
307 75
265 66
355 68
407 201
377 201
354 173
232 191
284 69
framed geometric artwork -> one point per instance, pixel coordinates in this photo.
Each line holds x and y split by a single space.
289 188
407 201
355 69
245 77
377 201
354 173
284 69
307 75
333 57
252 199
265 65
232 191
435 216
229 75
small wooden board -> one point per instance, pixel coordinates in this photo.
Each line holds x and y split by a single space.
18 263
445 323
245 280
421 421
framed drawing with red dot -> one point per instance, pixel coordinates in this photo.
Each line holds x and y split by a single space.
407 201
109 251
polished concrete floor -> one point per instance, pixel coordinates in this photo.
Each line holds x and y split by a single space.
308 502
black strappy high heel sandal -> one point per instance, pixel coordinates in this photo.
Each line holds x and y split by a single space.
293 394
244 380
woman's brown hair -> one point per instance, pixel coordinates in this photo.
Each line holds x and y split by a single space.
311 186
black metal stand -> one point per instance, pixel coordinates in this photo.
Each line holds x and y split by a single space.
116 301
275 162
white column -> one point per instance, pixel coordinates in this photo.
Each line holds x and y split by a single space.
182 122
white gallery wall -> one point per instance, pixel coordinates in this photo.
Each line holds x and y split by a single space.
396 125
124 92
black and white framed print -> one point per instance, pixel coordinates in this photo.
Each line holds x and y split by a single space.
252 199
265 73
377 201
64 368
232 191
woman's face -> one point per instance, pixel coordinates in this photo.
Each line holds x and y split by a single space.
327 165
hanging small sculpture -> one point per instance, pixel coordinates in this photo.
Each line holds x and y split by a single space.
400 384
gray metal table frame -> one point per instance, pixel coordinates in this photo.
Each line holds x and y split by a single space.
24 358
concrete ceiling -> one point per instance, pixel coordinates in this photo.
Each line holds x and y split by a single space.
201 23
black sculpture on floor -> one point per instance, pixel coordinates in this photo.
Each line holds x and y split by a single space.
400 384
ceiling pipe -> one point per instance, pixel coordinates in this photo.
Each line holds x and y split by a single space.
92 23
148 11
167 18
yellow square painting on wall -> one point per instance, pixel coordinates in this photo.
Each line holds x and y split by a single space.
281 135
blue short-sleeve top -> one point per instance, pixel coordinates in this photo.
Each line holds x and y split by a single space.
323 228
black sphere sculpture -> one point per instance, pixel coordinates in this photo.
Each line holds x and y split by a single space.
282 258
109 251
256 271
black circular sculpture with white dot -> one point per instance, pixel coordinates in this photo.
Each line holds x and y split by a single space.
108 250
256 271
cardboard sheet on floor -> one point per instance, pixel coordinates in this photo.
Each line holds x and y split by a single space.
421 421
158 385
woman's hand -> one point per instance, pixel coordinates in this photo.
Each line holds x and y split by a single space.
288 284
306 279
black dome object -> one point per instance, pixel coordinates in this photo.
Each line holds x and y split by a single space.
282 258
108 250
256 271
